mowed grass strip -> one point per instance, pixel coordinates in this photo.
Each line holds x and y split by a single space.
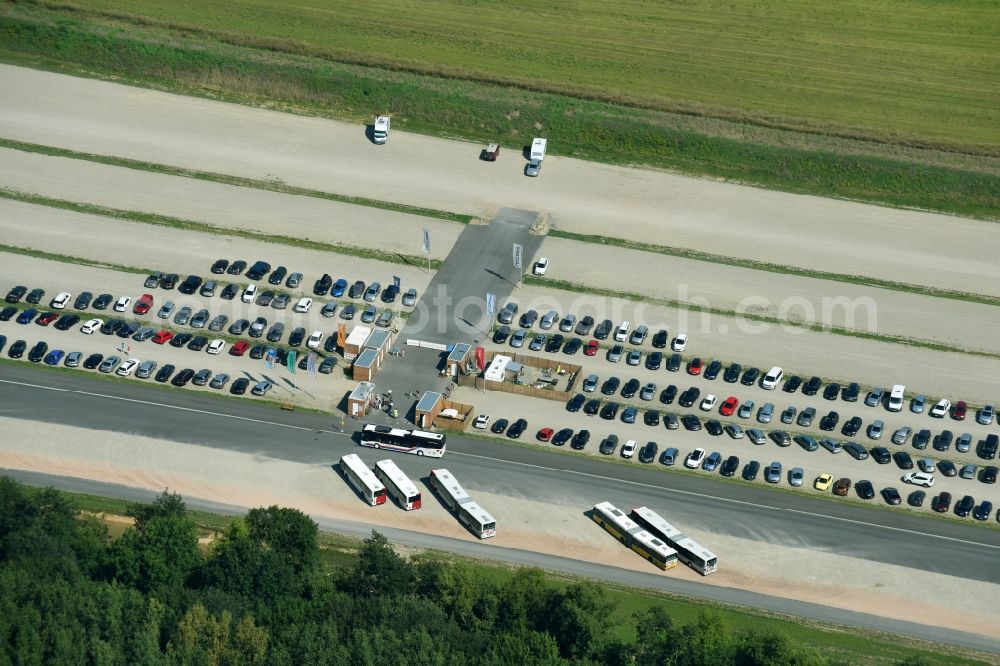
917 72
80 44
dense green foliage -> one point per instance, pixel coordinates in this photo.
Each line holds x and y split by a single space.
595 130
263 596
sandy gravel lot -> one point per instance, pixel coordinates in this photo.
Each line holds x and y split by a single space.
254 480
105 118
225 206
960 324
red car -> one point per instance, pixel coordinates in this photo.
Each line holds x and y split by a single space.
544 435
960 409
590 349
729 406
143 304
162 337
239 348
694 367
47 318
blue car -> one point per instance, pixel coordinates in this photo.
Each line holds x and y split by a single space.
713 460
27 316
54 357
339 287
628 416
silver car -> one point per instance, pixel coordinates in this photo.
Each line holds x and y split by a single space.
746 410
538 342
372 292
733 430
109 364
963 443
590 384
410 298
795 477
634 357
901 435
219 381
165 310
765 413
73 359
648 391
145 369
772 474
368 316
517 340
548 320
261 387
183 316
756 436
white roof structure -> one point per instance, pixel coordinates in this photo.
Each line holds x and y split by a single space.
498 367
358 335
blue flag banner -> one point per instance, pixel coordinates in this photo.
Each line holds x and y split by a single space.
491 303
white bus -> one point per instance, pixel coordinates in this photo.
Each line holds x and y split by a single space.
398 484
362 478
406 441
632 535
688 550
474 517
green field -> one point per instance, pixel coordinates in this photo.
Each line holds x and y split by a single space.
920 72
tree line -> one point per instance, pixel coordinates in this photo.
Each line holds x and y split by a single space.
264 594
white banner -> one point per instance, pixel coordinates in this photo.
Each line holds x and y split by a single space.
491 303
427 241
517 256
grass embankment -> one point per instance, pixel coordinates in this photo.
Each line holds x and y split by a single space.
279 67
849 645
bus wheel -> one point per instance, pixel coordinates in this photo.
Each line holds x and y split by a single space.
376 445
420 453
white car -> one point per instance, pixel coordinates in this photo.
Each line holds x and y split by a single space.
61 299
91 325
216 346
694 459
919 479
629 449
708 403
249 294
939 410
126 368
541 266
482 421
314 340
680 342
121 305
304 304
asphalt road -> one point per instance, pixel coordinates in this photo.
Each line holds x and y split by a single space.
744 511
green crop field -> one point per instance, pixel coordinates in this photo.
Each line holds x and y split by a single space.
920 72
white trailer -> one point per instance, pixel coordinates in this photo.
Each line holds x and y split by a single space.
381 132
538 149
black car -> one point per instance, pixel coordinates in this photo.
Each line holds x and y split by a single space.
792 384
17 349
689 397
651 417
674 364
668 394
989 474
891 496
865 489
38 352
712 370
851 427
66 322
278 275
128 329
922 439
322 285
573 346
660 338
257 351
220 266
529 318
730 466
111 326
198 343
554 343
780 437
265 297
7 313
831 391
16 294
750 377
517 428
647 453
943 440
163 374
609 444
330 344
183 377
92 361
654 361
751 470
562 436
691 422
852 392
610 386
592 407
297 336
580 440
947 468
830 421
584 326
713 427
609 411
236 267
230 292
575 403
987 448
916 498
732 373
903 460
881 455
631 388
169 281
35 296
964 506
240 386
181 339
83 300
499 426
102 302
811 387
189 286
390 293
603 329
258 270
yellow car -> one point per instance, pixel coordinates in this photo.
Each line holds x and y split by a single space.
823 482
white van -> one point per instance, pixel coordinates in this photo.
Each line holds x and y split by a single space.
896 398
380 133
771 380
621 333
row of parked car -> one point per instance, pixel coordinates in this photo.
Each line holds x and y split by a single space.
587 325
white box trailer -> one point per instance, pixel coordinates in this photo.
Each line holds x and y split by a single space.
538 149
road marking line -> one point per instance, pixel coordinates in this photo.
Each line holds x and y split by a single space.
733 501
